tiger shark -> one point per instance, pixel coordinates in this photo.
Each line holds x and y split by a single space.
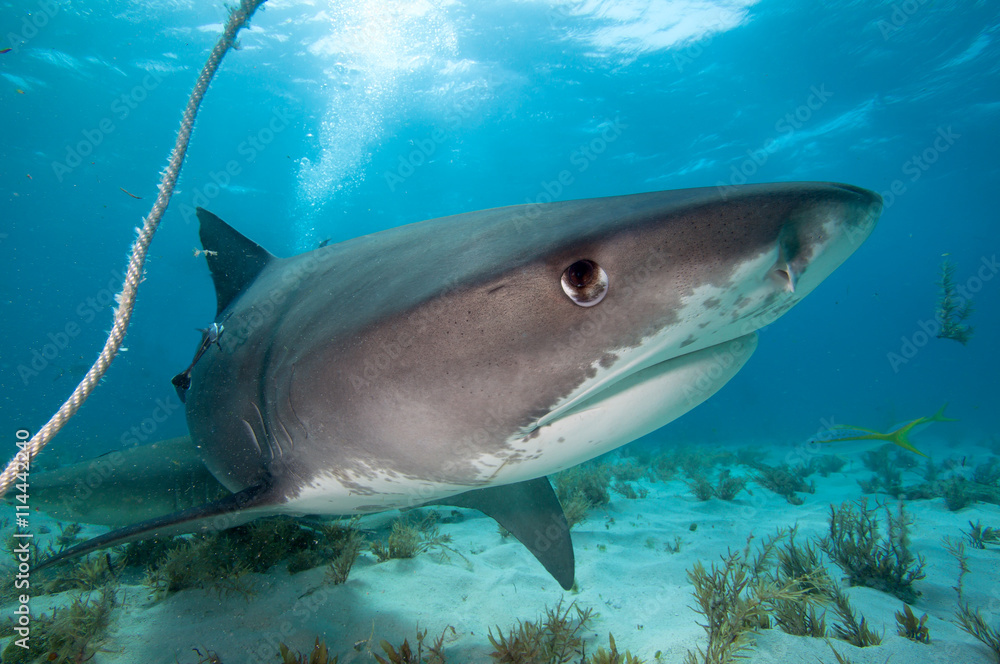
461 360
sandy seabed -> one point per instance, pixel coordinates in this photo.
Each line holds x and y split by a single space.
638 589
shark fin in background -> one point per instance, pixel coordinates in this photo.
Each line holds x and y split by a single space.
233 510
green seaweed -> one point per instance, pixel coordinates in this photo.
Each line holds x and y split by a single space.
147 552
91 573
736 597
930 469
693 462
349 549
627 490
888 476
403 542
799 618
784 480
68 635
630 470
199 563
987 473
980 536
957 492
957 495
957 550
972 622
611 656
868 559
575 508
952 309
909 626
591 480
254 547
728 486
318 655
700 487
405 654
554 639
825 464
68 535
408 538
802 565
851 628
800 568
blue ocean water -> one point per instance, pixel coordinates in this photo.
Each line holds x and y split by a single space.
341 119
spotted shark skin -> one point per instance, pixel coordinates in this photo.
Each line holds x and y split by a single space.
443 360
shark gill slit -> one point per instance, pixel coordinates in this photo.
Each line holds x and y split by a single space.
253 436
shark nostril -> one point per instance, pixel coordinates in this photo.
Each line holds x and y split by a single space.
785 277
789 247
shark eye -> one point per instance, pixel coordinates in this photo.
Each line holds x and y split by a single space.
585 282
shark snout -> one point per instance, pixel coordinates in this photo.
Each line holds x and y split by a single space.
829 226
862 208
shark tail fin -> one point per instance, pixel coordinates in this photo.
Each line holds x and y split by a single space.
231 511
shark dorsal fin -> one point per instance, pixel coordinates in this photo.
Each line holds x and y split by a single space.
235 260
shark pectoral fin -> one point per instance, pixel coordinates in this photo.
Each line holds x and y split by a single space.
233 510
532 514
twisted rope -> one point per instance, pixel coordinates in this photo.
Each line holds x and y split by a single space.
238 19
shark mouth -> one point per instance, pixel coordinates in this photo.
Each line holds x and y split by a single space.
625 407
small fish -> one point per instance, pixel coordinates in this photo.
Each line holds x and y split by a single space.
130 193
6 50
900 436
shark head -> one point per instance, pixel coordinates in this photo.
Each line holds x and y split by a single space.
460 360
498 346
